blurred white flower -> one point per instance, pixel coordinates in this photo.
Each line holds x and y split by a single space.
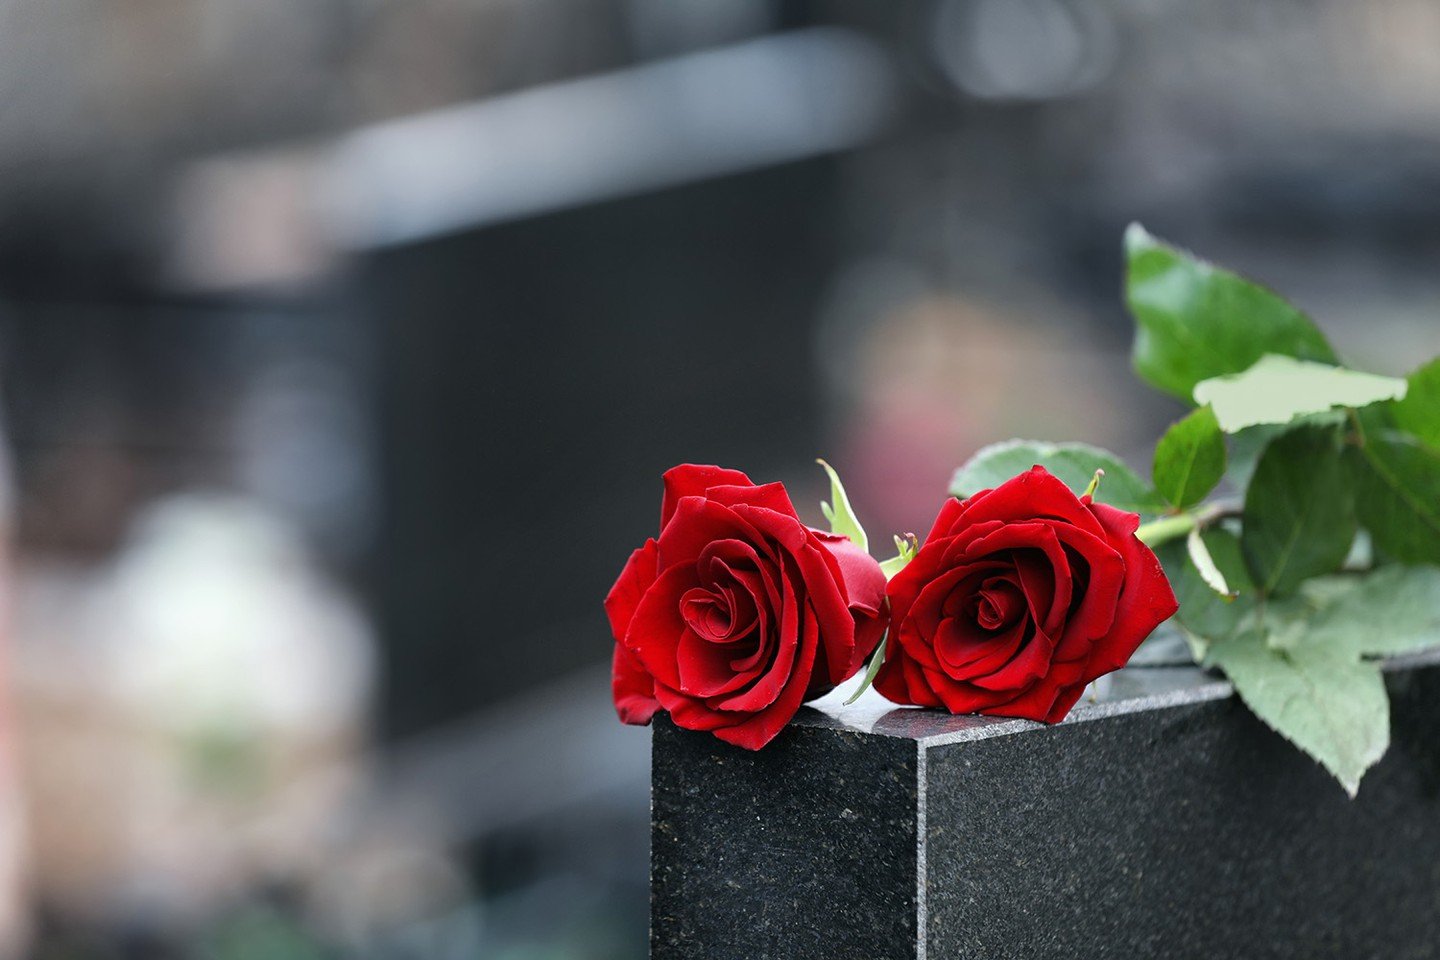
216 619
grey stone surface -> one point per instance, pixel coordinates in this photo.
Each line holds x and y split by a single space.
1160 820
804 849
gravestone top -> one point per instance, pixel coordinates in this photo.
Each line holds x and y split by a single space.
1133 689
1130 690
1161 818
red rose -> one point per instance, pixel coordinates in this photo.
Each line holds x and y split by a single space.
1020 597
738 612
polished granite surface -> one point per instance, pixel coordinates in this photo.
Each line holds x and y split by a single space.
1159 819
1130 690
1125 691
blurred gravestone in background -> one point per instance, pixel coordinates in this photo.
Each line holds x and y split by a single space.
539 379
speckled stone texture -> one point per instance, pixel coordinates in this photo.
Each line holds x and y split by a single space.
1161 821
804 849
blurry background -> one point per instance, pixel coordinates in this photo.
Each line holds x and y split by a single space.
342 345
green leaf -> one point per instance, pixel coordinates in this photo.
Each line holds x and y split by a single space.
1247 445
1195 321
1245 449
1206 616
1325 701
876 659
840 516
1397 495
1190 459
1390 610
1205 564
1419 412
905 549
1299 518
1073 463
1278 389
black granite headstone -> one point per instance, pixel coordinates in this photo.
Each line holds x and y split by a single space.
1160 820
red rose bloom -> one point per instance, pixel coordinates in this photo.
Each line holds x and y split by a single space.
1020 597
738 612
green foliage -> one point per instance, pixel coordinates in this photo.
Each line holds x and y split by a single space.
1299 518
1297 661
1190 459
1205 615
1326 701
1397 494
1205 564
1419 412
1387 611
905 550
841 517
1247 445
876 660
1074 464
1339 471
1278 389
1195 321
1245 449
1294 636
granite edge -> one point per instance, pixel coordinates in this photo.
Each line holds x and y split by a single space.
1130 690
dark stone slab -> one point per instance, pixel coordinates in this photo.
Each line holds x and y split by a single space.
1161 820
784 852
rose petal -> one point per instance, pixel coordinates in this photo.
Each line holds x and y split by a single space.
837 610
957 696
692 480
655 630
869 631
696 524
630 586
690 713
900 680
1002 602
890 678
759 729
1146 600
632 688
758 585
1096 611
708 613
861 578
1052 698
1064 700
781 649
823 579
927 610
1016 500
1034 537
945 520
957 546
919 691
905 586
771 496
1030 663
965 652
706 669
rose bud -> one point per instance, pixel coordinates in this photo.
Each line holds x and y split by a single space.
738 612
1020 596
